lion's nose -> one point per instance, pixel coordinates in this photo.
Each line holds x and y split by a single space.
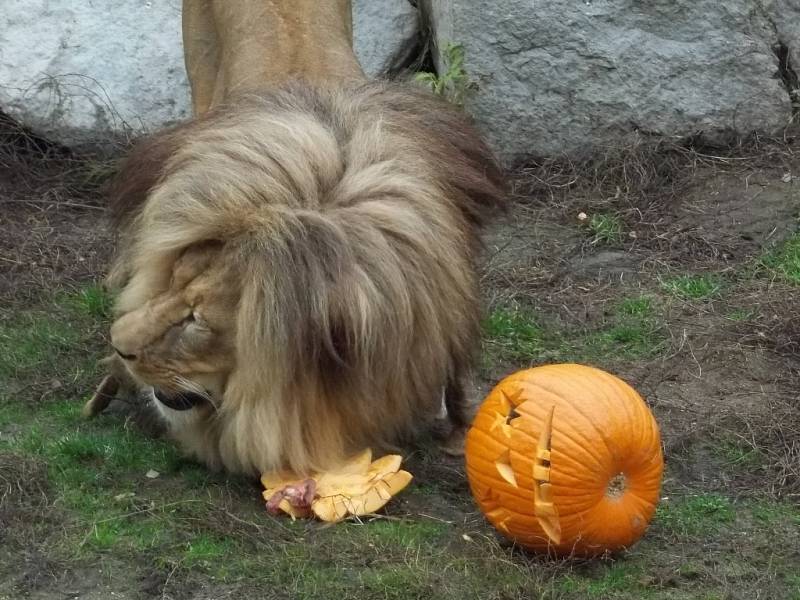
121 341
123 355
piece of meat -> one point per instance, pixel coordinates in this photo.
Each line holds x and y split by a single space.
299 495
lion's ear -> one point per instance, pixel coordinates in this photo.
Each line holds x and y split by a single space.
141 171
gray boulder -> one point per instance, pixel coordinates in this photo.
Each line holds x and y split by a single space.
562 77
84 71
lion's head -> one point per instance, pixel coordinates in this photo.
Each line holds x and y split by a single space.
182 339
297 271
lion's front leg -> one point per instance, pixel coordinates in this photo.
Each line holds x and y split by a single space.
117 381
200 52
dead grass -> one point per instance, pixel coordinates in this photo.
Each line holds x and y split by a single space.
647 172
51 212
642 181
44 173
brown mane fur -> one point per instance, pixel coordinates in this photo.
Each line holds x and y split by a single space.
352 217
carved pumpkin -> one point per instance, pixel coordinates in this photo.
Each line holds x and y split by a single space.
565 459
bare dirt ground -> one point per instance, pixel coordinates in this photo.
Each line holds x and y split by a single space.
674 266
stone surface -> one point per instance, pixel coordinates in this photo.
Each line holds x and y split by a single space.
78 71
382 29
561 77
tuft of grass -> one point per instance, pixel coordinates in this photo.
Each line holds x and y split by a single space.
696 515
605 228
513 334
784 260
628 340
634 331
395 583
741 314
91 301
736 452
775 513
453 83
641 306
693 287
124 533
794 586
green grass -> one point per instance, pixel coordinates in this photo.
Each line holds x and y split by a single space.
30 342
618 577
405 534
695 515
735 452
775 513
453 82
605 229
639 306
211 529
630 338
741 314
91 301
634 329
693 287
514 333
784 260
54 343
794 586
203 550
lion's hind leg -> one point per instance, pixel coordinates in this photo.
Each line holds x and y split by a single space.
459 415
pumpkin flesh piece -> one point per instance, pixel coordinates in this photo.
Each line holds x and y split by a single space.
360 486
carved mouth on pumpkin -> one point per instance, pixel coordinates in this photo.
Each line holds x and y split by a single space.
179 400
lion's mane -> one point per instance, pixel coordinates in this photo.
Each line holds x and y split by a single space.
353 216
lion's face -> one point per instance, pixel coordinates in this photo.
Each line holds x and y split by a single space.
182 340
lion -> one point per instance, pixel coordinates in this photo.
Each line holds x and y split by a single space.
296 265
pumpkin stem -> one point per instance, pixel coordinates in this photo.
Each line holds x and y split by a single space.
616 486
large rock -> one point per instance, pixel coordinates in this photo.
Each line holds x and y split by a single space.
383 30
81 71
556 76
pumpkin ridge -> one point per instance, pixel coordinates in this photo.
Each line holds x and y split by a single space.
646 435
586 389
592 498
531 441
516 495
554 390
582 442
566 455
529 516
637 415
562 455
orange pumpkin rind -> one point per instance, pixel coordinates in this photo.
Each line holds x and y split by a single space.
359 487
565 459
